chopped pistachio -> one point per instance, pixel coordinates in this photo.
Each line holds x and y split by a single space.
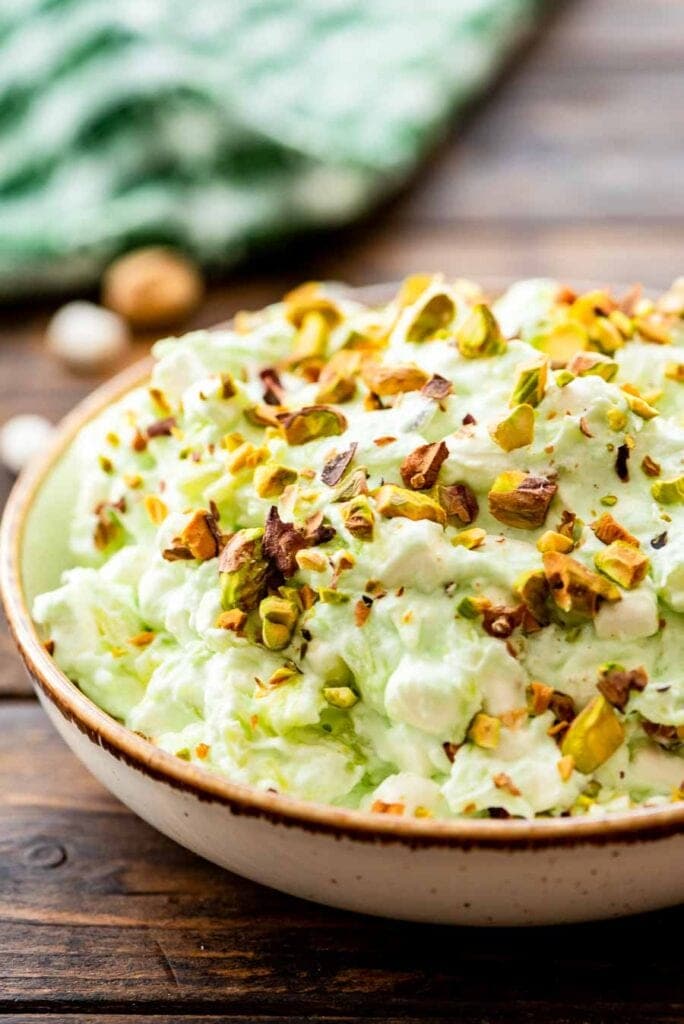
310 297
576 591
607 529
459 502
539 697
311 341
675 371
271 480
393 380
649 466
669 492
561 342
358 517
552 541
615 683
616 419
234 620
470 539
605 335
653 330
532 588
311 560
564 377
480 335
623 563
435 316
592 364
566 767
311 422
472 607
328 595
420 468
340 696
593 736
392 501
516 430
530 384
284 674
520 500
243 570
278 620
200 536
352 486
485 731
156 509
335 388
608 500
638 404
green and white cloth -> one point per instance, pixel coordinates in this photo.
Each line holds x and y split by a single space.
219 125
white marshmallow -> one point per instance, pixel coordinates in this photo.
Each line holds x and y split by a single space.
21 438
86 336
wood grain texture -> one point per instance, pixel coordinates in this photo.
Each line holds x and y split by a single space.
100 914
572 167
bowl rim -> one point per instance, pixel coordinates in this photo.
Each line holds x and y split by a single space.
635 825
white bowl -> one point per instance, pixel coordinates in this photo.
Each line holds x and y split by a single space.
479 872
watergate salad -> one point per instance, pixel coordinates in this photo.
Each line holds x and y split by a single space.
424 559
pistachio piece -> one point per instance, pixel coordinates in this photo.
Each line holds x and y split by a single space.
637 403
243 570
201 536
576 591
234 620
485 731
394 501
278 619
283 540
434 316
311 298
412 287
608 529
552 541
271 480
437 387
593 736
649 466
520 500
336 389
420 468
623 563
605 335
156 509
357 516
470 539
562 341
616 682
517 430
336 466
480 335
669 492
533 590
393 380
675 371
589 364
458 501
353 485
311 422
340 696
530 384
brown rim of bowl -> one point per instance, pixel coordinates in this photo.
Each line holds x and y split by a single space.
630 826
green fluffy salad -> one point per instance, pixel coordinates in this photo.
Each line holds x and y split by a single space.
424 558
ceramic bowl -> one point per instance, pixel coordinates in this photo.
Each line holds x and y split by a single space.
476 872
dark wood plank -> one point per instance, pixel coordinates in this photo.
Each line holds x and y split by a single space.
100 914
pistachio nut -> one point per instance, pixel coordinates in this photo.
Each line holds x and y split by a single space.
577 592
310 423
516 430
393 380
530 384
278 620
392 501
480 335
623 563
520 500
593 736
243 570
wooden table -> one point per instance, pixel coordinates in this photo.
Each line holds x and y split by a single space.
573 166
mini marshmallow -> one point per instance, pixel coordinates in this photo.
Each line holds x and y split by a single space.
21 438
87 337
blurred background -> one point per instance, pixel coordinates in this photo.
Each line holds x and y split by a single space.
263 143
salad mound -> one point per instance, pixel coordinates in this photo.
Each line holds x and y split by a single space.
424 559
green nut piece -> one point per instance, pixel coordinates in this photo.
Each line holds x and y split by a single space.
352 485
340 696
243 570
311 422
593 736
311 341
271 480
605 335
358 517
669 492
591 364
564 377
531 384
392 501
485 731
278 620
623 563
561 342
577 592
533 590
436 315
517 430
520 500
480 335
